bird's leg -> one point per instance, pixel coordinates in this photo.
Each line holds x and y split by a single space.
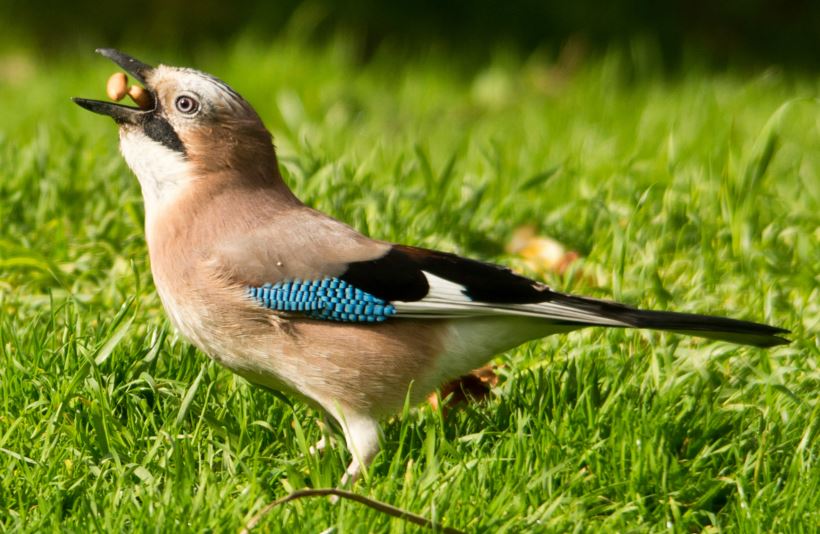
362 437
319 446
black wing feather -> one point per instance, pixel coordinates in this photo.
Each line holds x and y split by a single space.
398 275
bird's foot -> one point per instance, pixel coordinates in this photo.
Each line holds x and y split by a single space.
319 446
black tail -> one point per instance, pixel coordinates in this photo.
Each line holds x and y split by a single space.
722 328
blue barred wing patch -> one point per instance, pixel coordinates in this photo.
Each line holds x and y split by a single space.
330 299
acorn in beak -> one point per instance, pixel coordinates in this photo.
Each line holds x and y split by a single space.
121 113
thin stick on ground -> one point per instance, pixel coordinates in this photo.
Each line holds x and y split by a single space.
380 506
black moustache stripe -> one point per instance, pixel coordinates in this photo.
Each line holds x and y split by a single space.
160 130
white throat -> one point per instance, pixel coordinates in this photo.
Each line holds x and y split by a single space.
163 173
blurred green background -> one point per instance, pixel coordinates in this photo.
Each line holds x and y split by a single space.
785 32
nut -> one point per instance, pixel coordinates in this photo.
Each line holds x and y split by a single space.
117 86
140 96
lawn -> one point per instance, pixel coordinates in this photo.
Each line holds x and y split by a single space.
696 191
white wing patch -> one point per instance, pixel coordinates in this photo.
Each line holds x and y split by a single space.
448 299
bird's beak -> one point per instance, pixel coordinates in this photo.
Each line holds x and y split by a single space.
120 113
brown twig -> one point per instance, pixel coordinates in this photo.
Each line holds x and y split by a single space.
380 506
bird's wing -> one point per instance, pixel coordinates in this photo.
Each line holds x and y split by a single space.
313 264
332 272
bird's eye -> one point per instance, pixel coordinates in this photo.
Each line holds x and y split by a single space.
186 104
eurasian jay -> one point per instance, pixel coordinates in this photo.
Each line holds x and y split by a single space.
294 300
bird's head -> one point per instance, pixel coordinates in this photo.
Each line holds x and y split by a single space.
192 127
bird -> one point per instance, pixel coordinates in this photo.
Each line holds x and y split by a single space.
296 301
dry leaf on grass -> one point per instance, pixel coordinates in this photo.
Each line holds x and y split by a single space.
474 386
541 253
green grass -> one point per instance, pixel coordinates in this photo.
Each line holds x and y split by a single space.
699 192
